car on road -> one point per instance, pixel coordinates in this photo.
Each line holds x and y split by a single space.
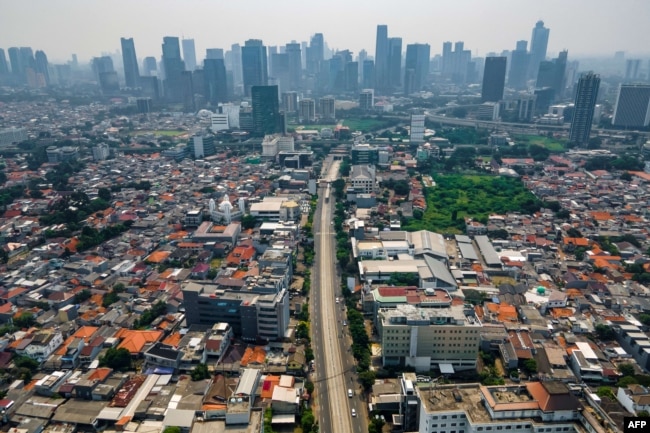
354 412
345 323
337 300
350 394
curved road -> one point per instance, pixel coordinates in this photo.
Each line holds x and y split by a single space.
334 366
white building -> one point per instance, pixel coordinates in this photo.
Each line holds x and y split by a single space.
286 144
534 407
270 147
232 111
220 122
446 339
634 398
417 128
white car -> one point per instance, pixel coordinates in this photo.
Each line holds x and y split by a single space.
354 412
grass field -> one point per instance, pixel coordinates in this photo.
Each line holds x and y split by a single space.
162 132
364 125
550 143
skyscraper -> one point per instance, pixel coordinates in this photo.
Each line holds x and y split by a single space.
456 63
368 81
189 54
174 67
519 66
583 115
632 67
215 82
551 74
632 106
214 53
381 57
416 67
315 53
279 70
352 77
105 74
295 65
16 67
130 61
4 66
394 63
538 45
42 68
494 77
254 65
267 118
236 68
149 66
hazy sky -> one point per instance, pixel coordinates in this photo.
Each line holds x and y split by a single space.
90 27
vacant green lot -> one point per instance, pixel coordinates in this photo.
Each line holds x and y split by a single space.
162 132
458 196
551 144
365 125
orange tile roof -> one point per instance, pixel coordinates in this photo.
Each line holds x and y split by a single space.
601 216
173 339
561 312
135 340
158 256
253 355
581 242
100 374
85 332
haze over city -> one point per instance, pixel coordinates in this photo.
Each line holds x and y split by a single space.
86 28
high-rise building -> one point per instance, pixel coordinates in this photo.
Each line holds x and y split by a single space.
254 65
632 106
267 118
279 70
307 111
130 62
215 81
519 66
394 63
362 57
494 77
416 69
17 69
290 102
236 68
189 54
538 45
214 53
105 74
583 115
352 77
4 66
42 68
326 108
315 53
416 133
632 67
149 66
174 67
381 57
367 99
294 58
456 63
551 75
368 80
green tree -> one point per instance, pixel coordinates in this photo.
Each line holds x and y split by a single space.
604 332
625 381
117 359
25 320
309 387
626 369
530 365
307 420
248 221
172 429
200 372
367 379
104 194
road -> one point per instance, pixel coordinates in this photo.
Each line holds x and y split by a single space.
334 365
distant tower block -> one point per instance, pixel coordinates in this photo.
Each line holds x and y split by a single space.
212 205
242 204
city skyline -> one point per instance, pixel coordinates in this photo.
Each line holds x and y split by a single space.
471 21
